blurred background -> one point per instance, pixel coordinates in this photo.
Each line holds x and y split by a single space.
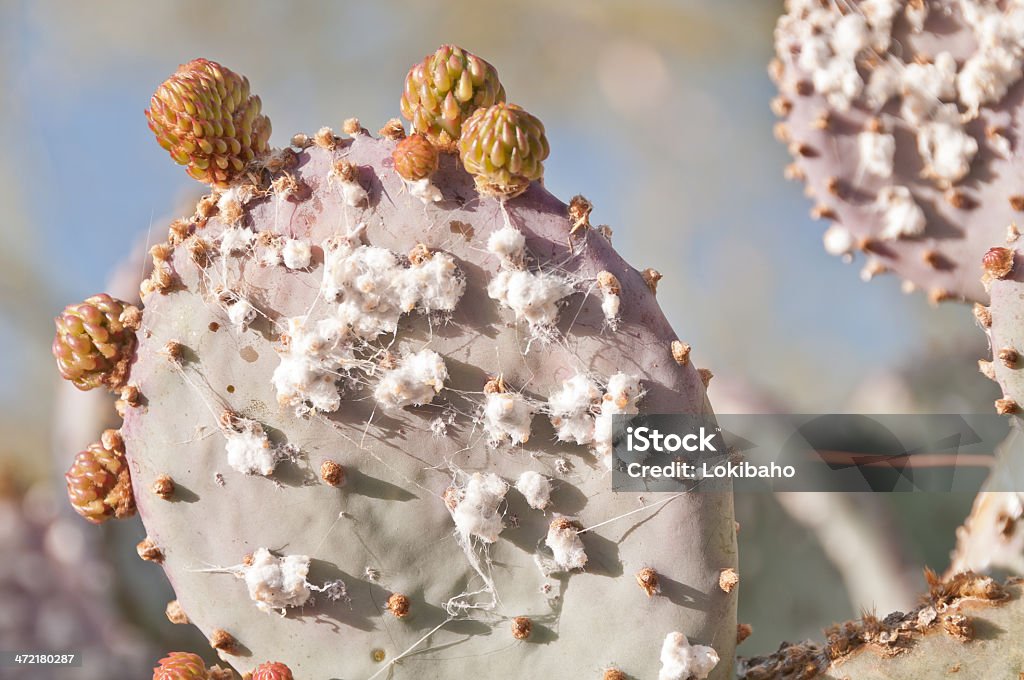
657 110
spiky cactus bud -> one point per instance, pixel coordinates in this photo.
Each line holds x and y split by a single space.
444 89
206 118
99 483
504 148
271 670
415 157
94 342
180 666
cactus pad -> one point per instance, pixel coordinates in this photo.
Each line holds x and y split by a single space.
902 118
379 363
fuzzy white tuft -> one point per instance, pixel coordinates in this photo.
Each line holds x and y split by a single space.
249 450
416 381
433 284
621 397
876 153
986 77
509 244
277 582
269 255
352 192
425 190
564 540
233 200
374 289
682 661
946 149
536 488
507 415
610 307
838 240
901 215
241 312
850 35
311 359
839 82
569 409
296 253
532 296
236 240
884 83
476 507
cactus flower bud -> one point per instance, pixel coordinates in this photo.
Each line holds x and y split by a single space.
93 345
180 666
503 147
205 117
99 483
415 158
444 89
272 670
998 262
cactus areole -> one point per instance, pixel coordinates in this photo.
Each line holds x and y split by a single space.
368 432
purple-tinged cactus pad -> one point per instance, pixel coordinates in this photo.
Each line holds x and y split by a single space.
437 505
904 120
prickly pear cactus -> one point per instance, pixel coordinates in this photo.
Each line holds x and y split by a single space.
993 534
368 423
967 626
902 117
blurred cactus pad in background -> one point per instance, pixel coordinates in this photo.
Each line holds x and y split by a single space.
354 397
